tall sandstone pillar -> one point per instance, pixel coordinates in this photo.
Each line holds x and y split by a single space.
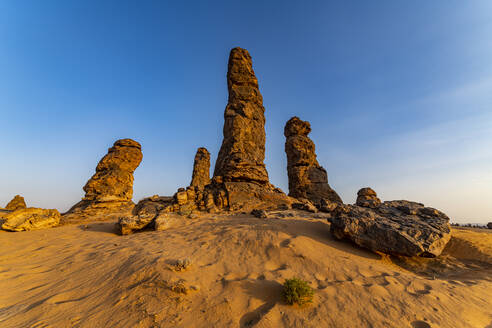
307 179
242 152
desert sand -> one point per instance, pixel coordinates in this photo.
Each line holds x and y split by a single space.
88 276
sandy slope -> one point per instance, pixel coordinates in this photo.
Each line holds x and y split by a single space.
87 276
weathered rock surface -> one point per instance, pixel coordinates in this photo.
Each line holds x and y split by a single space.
143 214
108 193
201 169
30 219
16 203
307 179
113 180
240 181
242 152
304 205
167 220
260 214
366 197
395 227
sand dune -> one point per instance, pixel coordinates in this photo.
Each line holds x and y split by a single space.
87 276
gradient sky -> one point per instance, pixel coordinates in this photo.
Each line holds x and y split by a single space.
398 93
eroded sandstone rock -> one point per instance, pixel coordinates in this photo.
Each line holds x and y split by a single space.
394 227
108 193
113 180
31 218
144 214
307 179
242 152
366 197
201 169
16 203
240 181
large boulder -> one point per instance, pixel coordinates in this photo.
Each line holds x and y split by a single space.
109 192
201 169
16 203
307 179
395 227
144 214
30 219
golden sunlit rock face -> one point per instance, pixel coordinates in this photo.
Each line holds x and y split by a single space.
31 219
242 152
109 191
113 180
16 203
201 169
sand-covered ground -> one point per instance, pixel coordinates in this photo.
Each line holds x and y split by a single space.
87 276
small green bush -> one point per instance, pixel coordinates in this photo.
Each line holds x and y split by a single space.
297 291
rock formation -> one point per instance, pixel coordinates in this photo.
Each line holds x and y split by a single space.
394 227
242 152
240 181
30 219
16 203
366 197
307 179
110 189
201 169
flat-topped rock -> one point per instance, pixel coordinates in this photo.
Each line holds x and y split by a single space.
30 219
395 227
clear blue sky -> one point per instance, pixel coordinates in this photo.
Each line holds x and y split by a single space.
398 93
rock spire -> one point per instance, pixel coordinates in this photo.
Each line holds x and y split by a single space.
201 169
242 152
307 179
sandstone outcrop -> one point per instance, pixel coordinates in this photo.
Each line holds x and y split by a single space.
366 197
109 191
307 179
30 219
240 181
201 169
16 203
394 227
148 213
242 152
